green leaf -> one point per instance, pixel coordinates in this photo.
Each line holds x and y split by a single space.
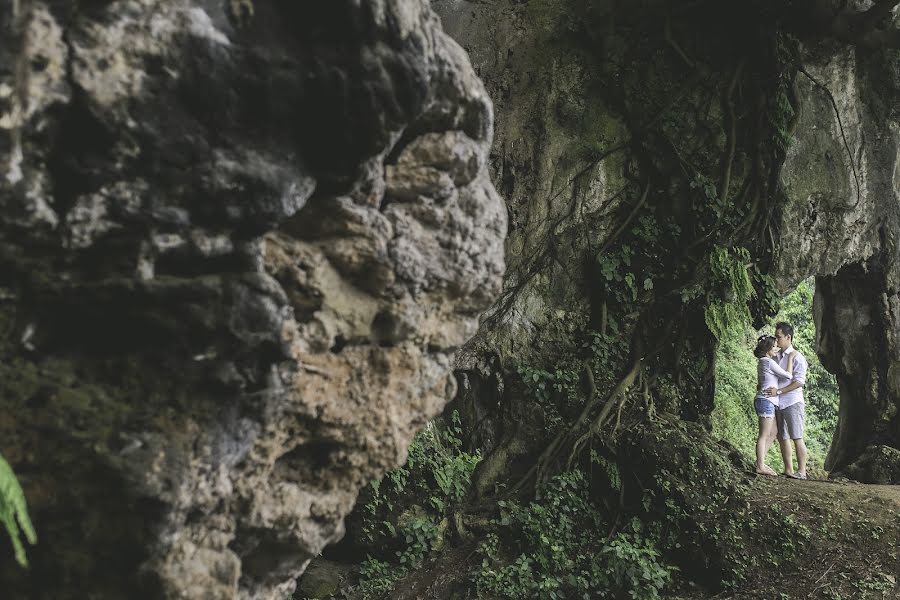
14 513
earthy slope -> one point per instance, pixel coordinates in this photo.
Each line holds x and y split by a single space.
851 548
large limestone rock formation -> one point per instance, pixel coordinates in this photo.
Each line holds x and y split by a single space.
239 245
554 122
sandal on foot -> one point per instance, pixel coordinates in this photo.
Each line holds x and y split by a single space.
798 475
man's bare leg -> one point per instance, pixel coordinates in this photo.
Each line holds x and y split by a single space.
801 455
785 446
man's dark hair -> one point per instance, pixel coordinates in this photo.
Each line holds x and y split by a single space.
785 328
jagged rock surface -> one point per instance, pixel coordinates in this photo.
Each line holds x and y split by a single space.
239 246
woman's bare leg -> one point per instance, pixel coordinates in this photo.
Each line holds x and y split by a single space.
770 439
763 443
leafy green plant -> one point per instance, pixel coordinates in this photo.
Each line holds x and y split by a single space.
420 535
555 391
634 564
437 473
14 513
377 578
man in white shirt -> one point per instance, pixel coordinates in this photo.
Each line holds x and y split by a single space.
790 413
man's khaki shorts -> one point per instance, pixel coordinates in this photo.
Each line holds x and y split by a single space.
790 421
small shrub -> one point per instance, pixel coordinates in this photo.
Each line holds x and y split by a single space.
377 578
437 474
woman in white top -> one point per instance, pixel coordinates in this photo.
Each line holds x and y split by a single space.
767 374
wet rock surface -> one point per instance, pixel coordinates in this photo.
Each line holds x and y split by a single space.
239 246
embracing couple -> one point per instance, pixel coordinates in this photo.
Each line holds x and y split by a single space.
781 373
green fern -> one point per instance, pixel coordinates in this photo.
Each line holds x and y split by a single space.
13 512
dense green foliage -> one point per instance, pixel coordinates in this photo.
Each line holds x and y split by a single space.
734 418
13 512
729 271
560 546
424 492
556 391
689 488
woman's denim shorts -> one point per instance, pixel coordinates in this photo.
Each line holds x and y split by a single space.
764 407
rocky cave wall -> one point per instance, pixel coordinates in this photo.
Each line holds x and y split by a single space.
239 245
551 108
551 120
841 226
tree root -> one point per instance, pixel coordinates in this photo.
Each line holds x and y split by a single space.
731 141
584 428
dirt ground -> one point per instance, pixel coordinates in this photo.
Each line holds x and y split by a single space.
852 550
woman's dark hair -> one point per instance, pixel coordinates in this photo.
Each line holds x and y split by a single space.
764 343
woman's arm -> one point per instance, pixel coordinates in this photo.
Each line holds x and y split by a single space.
784 374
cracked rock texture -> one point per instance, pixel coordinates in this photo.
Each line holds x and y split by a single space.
239 246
